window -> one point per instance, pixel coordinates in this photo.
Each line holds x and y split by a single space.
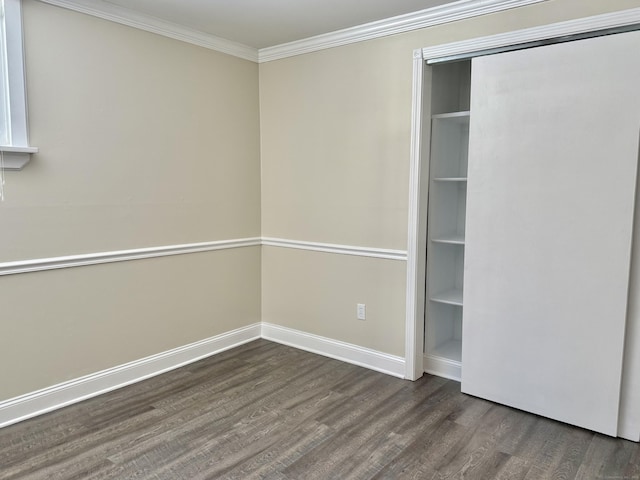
14 138
5 136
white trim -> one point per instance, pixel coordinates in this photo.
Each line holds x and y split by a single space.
42 401
384 253
402 23
131 18
54 263
26 266
443 367
346 352
15 158
416 235
16 149
554 30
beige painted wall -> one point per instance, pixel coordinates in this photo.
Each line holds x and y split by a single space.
317 293
335 129
144 141
63 324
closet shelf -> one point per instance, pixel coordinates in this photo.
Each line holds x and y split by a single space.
450 179
457 117
450 297
452 238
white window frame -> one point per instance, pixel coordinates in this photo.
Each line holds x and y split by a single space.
17 152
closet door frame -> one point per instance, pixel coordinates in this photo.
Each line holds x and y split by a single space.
418 193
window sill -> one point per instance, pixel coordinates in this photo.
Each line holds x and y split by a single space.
15 158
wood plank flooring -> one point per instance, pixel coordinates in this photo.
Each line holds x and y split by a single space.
269 411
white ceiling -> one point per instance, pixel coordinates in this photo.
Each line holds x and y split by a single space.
265 23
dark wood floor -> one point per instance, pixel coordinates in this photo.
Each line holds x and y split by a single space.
264 410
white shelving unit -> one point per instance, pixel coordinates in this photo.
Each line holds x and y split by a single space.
446 218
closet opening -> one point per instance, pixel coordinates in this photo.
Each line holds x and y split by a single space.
507 144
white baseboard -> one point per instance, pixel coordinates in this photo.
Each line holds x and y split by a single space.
442 367
346 352
58 396
42 401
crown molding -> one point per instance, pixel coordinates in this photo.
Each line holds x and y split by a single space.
151 24
402 23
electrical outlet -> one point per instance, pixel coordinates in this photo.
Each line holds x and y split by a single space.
362 312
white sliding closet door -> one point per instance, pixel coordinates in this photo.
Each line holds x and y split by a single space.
553 157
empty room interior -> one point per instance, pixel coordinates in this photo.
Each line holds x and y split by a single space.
299 240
